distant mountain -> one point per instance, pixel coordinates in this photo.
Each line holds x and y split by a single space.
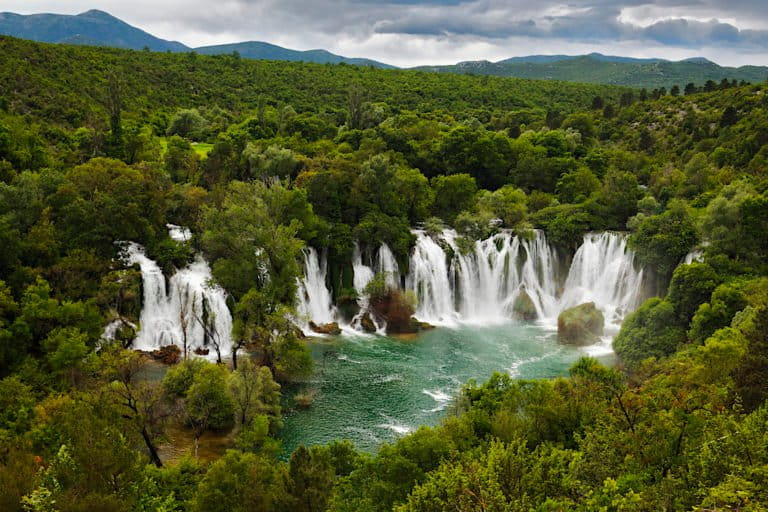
98 28
267 51
93 28
605 69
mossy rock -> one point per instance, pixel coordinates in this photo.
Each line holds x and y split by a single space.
580 326
523 308
332 328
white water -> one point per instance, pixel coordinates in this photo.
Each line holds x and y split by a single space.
481 287
314 298
179 233
191 309
696 255
604 272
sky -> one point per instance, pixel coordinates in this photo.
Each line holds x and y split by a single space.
419 32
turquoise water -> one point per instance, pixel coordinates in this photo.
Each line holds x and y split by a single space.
372 389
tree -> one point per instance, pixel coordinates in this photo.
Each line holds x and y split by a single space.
662 241
722 225
206 401
653 330
691 286
310 479
263 323
239 482
453 194
254 393
135 399
274 161
114 102
577 186
248 243
187 123
104 201
507 203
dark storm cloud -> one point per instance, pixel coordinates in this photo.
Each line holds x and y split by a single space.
587 21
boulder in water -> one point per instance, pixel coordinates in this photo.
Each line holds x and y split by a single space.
580 326
331 328
200 351
523 308
169 354
366 323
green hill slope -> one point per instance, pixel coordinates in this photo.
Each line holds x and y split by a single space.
617 71
69 83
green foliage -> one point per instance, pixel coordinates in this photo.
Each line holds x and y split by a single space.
187 123
453 194
250 241
662 241
654 330
691 286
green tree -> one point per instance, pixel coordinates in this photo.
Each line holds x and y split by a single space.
662 241
187 123
248 244
453 194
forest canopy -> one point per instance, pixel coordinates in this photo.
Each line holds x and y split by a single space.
261 160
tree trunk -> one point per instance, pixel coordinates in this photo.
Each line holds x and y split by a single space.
153 455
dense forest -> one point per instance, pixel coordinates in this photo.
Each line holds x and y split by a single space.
100 147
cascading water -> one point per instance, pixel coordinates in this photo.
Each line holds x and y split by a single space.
387 264
603 271
481 286
190 312
314 298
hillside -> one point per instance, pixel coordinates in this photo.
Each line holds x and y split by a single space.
130 383
266 51
98 28
69 83
595 68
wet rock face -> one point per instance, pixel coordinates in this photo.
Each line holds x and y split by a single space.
394 308
332 328
580 326
367 324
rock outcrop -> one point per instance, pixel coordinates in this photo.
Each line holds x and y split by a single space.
580 326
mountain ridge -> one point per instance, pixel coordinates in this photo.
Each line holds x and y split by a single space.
99 28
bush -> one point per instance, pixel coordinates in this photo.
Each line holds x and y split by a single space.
651 331
662 241
691 286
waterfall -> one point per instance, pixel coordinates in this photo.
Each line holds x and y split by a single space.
481 286
363 274
387 264
695 256
429 280
190 308
603 271
314 298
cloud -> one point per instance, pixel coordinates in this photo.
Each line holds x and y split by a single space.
407 32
